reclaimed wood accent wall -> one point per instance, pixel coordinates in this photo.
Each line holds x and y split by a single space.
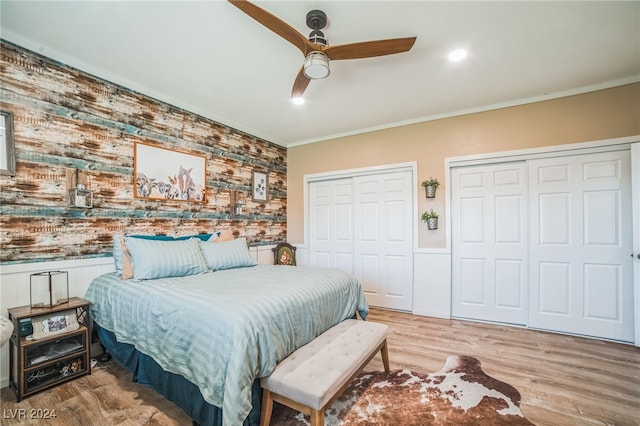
65 119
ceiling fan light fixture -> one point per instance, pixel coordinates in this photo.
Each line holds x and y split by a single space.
297 100
316 65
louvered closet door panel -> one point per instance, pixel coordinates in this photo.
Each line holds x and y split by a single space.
331 224
490 243
581 240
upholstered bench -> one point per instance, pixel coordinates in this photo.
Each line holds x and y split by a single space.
313 377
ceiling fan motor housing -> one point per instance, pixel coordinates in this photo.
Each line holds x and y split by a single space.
317 20
317 37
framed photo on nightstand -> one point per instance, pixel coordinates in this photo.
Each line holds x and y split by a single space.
55 323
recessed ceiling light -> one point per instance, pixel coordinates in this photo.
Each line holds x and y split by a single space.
297 100
457 55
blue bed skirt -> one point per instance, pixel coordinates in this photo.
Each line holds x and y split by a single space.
174 387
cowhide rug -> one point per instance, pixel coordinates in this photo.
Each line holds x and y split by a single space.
459 394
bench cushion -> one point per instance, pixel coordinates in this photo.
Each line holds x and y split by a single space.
314 373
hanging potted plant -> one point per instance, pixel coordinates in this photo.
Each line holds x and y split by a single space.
431 218
430 186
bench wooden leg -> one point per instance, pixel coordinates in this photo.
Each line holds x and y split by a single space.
267 408
385 355
317 417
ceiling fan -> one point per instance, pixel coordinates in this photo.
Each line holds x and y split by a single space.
315 48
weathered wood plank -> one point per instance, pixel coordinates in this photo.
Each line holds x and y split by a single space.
66 119
50 237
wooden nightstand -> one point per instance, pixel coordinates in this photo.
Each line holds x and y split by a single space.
61 351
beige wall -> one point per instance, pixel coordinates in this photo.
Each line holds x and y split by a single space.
592 116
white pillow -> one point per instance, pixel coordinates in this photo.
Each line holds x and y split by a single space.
227 254
159 259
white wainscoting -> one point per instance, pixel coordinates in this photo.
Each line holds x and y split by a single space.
15 287
15 283
262 254
302 255
431 280
432 283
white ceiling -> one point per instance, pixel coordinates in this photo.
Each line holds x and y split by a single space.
210 58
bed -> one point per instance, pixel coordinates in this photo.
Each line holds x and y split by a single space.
215 332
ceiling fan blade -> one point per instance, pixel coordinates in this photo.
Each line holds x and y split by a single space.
276 25
370 49
300 85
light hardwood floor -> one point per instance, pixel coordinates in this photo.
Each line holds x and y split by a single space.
563 380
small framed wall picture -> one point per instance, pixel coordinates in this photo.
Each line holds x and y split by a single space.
260 186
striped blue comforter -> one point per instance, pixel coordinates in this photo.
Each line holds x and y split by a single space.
224 329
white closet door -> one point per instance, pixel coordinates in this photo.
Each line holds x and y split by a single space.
331 224
383 232
581 241
635 195
490 244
